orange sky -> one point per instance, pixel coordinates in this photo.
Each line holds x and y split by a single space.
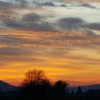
73 60
60 37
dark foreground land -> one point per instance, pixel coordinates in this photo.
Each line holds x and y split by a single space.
49 98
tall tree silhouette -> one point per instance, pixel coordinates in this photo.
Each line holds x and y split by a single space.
79 90
35 76
60 87
35 83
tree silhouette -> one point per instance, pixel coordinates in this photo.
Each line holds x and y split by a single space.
35 76
79 90
60 87
45 87
35 83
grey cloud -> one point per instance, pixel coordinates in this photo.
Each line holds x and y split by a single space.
32 17
13 54
18 40
6 8
75 21
31 21
11 39
13 5
89 6
37 24
5 4
53 4
84 5
94 26
89 32
63 5
77 24
12 51
9 8
71 23
22 3
80 1
48 4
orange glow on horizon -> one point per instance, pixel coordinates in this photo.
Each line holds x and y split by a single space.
67 59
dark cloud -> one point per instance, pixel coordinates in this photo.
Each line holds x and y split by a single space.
35 23
48 4
71 23
5 4
89 6
32 17
10 5
18 54
63 5
68 21
94 26
14 51
11 8
31 21
77 24
21 3
80 1
6 8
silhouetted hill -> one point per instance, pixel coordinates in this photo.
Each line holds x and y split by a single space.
85 88
6 87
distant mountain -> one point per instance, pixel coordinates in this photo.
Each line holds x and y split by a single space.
6 87
85 88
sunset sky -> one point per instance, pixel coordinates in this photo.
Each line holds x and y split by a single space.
60 37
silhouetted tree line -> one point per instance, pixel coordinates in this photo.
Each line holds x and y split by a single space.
37 84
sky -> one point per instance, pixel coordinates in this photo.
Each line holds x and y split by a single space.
60 37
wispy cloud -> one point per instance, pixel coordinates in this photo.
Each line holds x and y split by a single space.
77 24
61 45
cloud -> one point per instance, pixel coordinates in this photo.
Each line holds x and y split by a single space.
6 8
15 51
79 32
71 23
30 21
47 39
32 17
63 5
66 3
21 3
48 4
81 1
29 41
15 54
89 6
94 26
77 24
5 4
12 6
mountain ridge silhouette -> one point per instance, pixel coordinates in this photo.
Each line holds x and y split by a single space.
85 88
4 86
